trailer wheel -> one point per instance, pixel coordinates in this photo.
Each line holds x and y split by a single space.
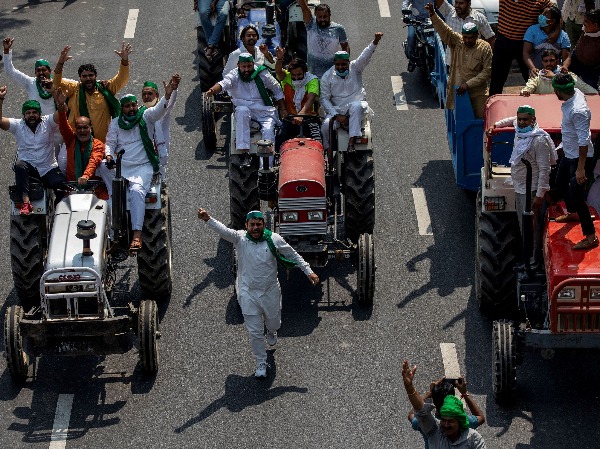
209 133
243 190
154 259
148 335
209 72
497 250
366 270
359 194
17 360
27 257
504 359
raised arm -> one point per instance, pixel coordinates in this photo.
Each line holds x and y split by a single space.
66 131
119 81
68 86
17 76
447 36
224 232
422 411
461 385
306 14
4 122
279 53
360 63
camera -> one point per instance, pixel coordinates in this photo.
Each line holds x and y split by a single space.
46 84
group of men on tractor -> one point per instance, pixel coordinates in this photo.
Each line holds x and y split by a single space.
92 128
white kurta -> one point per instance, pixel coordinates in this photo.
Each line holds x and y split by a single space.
37 147
234 57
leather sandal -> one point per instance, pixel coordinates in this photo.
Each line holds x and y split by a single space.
586 244
567 218
136 245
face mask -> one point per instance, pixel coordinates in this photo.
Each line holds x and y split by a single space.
542 20
527 129
298 83
152 103
342 74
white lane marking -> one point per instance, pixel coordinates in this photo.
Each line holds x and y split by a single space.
450 359
60 428
384 8
399 96
423 218
131 23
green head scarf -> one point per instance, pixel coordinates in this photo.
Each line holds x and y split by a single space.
453 409
567 88
31 104
255 214
245 57
41 62
526 109
341 55
129 98
150 84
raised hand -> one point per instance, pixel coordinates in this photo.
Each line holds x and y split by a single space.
430 9
126 50
64 55
263 49
175 79
279 53
60 97
7 43
378 37
2 92
203 215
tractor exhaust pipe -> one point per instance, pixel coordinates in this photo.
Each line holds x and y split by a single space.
119 200
527 220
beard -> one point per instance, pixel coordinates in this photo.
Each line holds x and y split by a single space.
150 104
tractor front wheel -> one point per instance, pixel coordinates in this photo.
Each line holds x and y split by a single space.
243 190
504 360
366 270
148 335
17 360
27 257
209 133
359 194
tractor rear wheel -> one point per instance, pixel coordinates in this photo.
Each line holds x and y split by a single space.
27 257
359 194
497 250
209 72
154 259
366 270
209 133
243 190
17 360
504 359
148 335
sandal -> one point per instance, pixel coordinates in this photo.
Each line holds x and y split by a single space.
586 244
136 245
567 218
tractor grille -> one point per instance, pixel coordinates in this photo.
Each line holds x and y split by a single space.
578 322
306 228
307 203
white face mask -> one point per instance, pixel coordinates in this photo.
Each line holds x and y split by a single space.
149 104
298 83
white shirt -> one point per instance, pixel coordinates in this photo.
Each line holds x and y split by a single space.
234 56
256 283
162 128
246 93
576 118
337 91
37 147
28 84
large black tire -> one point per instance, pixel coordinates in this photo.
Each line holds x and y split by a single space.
154 259
209 72
17 360
148 335
209 133
27 257
243 190
365 272
504 360
497 251
359 194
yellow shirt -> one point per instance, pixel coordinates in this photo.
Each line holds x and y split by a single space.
97 106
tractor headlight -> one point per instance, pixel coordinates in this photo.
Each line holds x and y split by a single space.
567 293
315 215
595 293
289 216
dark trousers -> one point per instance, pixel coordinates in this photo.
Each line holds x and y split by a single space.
54 179
310 129
574 193
505 51
588 75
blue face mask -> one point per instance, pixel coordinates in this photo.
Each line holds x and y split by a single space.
342 74
542 20
527 129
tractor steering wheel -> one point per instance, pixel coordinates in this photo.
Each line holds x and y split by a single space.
308 117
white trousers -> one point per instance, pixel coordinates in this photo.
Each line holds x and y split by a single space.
164 160
356 111
255 324
243 114
137 203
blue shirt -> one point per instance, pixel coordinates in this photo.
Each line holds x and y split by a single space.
537 36
473 424
417 4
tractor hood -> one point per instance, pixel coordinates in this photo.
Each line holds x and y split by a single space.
65 249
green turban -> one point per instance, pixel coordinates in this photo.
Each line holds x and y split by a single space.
255 214
567 88
341 55
41 62
526 109
245 57
150 84
469 28
453 409
31 104
128 99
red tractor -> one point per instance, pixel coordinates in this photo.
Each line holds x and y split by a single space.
559 306
323 204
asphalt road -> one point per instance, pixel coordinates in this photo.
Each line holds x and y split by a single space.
336 378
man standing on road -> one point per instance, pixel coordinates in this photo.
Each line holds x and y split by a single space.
323 37
343 94
577 165
471 63
258 291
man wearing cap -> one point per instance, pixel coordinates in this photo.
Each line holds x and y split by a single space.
162 128
34 86
534 145
258 292
248 87
577 165
452 429
36 158
132 131
470 63
343 94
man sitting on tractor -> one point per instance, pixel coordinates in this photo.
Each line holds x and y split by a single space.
132 131
36 158
535 146
249 38
343 95
301 91
248 89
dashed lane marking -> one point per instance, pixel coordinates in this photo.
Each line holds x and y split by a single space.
423 218
60 428
399 96
131 24
384 8
450 359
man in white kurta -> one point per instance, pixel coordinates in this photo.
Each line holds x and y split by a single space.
343 94
139 164
248 85
258 290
